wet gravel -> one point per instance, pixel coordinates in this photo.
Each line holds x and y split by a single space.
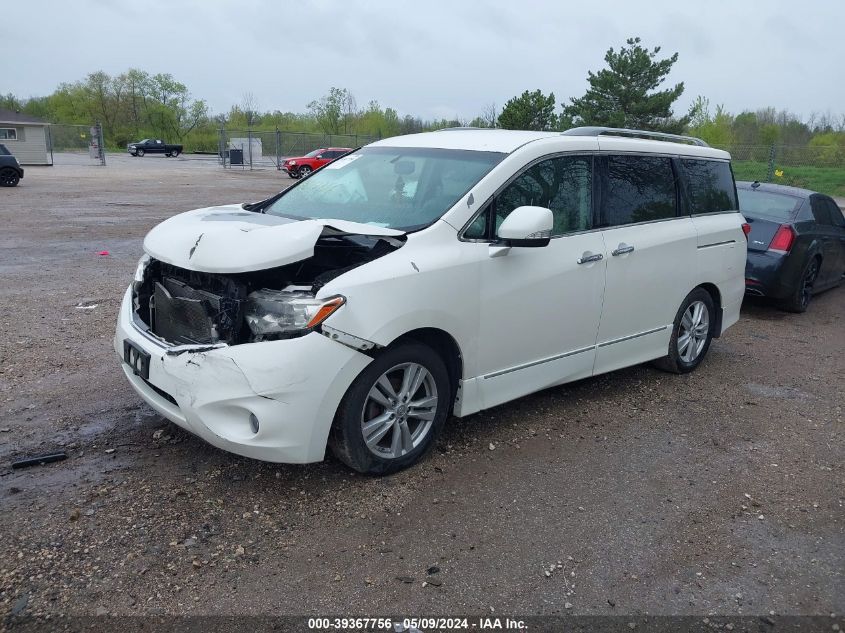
635 492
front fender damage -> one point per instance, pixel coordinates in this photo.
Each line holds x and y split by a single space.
350 340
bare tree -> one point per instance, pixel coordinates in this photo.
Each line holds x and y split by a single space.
489 115
249 108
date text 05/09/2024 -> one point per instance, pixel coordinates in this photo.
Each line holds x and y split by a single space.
418 624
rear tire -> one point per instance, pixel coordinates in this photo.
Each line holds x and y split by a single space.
393 411
692 333
175 153
800 298
9 177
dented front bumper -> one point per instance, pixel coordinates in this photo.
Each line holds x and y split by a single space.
292 387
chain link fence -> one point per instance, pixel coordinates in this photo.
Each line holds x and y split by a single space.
818 168
255 149
76 144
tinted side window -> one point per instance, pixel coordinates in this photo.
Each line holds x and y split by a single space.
562 184
836 217
638 189
710 185
821 212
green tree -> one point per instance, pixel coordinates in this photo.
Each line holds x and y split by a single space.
10 102
715 129
625 93
331 110
529 111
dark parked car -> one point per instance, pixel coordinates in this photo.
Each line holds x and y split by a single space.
153 146
796 247
10 170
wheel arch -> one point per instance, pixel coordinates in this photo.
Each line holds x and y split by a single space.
715 294
446 347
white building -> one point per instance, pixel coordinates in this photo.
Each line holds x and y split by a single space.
25 136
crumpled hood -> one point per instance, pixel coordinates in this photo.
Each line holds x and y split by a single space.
230 239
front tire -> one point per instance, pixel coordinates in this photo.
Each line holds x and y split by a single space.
692 333
304 171
800 298
9 177
393 411
139 153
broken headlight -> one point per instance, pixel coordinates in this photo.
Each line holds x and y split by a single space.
142 266
138 279
284 313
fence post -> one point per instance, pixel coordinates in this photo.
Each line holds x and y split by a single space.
770 172
50 143
249 140
221 147
101 150
278 149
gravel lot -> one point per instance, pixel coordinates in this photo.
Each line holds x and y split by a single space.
717 492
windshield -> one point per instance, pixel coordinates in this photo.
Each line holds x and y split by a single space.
392 187
770 206
313 154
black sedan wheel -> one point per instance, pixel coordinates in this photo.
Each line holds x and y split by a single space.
9 177
139 152
800 299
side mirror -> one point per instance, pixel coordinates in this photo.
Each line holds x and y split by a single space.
526 226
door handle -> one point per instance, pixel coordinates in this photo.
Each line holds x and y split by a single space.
622 249
588 257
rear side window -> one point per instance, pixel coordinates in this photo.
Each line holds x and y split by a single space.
638 189
821 212
710 186
770 206
836 216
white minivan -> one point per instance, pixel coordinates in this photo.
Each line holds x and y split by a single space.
431 275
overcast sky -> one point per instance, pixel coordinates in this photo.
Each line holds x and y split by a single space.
430 58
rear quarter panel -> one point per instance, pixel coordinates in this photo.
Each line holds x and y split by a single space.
720 259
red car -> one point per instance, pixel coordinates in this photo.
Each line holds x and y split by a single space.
303 165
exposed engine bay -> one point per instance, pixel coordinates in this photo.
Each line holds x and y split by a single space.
184 306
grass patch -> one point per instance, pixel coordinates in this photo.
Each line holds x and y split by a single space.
829 180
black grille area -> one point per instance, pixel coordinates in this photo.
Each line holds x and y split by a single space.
183 314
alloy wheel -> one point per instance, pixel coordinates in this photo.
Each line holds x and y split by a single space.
693 331
808 281
9 178
399 410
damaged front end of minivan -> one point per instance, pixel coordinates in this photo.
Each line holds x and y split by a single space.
221 330
191 307
181 301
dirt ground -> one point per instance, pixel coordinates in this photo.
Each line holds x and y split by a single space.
718 492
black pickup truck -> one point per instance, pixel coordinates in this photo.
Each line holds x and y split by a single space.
153 146
10 170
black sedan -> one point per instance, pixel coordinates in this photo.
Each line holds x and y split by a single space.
796 247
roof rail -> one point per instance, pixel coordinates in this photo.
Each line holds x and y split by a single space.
616 131
460 128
